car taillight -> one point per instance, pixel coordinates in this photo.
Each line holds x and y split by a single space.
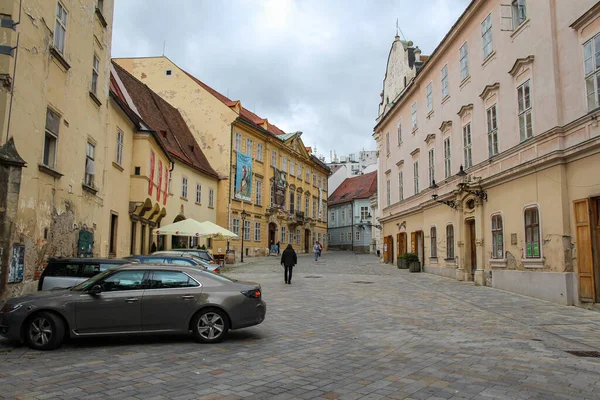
253 294
217 270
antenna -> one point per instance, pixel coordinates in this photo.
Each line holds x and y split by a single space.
399 30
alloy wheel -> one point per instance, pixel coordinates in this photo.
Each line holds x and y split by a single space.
40 331
211 326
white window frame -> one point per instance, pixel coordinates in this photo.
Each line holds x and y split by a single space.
119 155
414 116
314 210
274 158
357 235
445 84
283 234
259 152
60 28
211 198
399 127
246 230
487 37
238 142
450 243
249 147
184 183
416 176
299 171
308 175
90 155
50 141
387 143
492 125
525 110
235 226
468 145
591 70
257 231
198 193
429 96
284 164
401 185
292 168
95 75
388 192
519 12
364 213
447 158
298 237
258 193
431 155
464 61
497 248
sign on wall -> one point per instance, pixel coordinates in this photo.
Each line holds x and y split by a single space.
243 178
17 263
279 185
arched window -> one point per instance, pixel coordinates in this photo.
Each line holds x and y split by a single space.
497 237
532 233
450 242
433 235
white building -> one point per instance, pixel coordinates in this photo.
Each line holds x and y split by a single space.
345 167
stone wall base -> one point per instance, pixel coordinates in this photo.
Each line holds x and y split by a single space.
441 271
557 287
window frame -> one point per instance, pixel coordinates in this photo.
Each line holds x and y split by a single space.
238 142
414 116
120 140
198 193
445 82
235 226
433 241
464 61
401 185
492 125
256 231
515 7
95 74
246 231
416 176
259 152
60 23
594 72
90 154
431 156
497 246
429 97
399 131
250 147
389 192
467 145
531 226
211 197
48 133
447 158
450 251
258 192
487 36
274 158
524 111
184 184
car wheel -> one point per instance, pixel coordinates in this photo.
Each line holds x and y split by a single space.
210 325
44 331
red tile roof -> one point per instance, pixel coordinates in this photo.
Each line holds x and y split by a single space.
167 121
358 187
244 112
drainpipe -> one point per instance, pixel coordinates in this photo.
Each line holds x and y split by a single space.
229 196
12 89
352 221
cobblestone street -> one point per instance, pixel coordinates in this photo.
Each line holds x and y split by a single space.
349 328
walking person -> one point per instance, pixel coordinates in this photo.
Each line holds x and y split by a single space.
316 249
288 260
277 248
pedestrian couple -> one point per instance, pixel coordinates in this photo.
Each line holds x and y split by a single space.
317 249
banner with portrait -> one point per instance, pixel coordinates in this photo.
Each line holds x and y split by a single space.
243 178
279 185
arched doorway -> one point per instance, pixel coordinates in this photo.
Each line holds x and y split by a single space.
306 240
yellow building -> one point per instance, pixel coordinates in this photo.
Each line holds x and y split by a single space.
225 129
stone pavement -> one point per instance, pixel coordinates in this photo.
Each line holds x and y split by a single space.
346 328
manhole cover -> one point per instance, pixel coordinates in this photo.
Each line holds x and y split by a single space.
363 282
580 353
313 276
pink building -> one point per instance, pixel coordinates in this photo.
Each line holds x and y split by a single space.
489 150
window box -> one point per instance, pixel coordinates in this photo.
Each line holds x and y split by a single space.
101 17
89 189
533 263
60 58
95 98
47 170
117 166
488 59
498 262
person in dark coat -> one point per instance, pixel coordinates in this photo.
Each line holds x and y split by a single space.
288 260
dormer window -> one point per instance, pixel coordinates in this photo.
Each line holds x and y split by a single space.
164 134
192 148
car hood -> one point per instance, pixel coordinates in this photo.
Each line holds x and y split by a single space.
45 294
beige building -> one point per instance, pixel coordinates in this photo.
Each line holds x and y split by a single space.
226 132
488 150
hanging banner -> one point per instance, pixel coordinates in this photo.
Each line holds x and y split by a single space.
279 185
243 178
159 181
151 183
320 204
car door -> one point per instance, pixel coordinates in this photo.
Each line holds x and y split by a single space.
117 308
170 301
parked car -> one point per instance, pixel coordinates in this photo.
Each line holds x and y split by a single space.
67 272
203 254
135 299
161 258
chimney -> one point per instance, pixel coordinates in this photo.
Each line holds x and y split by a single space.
417 54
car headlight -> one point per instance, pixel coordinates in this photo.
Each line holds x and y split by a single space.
8 308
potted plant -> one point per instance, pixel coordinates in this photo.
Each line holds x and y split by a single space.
414 265
402 264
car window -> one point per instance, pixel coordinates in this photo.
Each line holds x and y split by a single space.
179 261
123 280
62 269
205 276
155 260
170 280
89 270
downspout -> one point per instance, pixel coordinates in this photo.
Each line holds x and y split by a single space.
229 196
352 222
12 89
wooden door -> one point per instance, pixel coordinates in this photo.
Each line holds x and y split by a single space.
473 248
401 237
585 263
386 249
413 242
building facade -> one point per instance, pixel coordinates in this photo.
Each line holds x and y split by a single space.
231 136
348 166
349 217
487 149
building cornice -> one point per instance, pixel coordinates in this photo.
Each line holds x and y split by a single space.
586 18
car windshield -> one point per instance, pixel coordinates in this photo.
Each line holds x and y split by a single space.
90 282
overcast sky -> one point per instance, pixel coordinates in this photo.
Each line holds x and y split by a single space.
314 66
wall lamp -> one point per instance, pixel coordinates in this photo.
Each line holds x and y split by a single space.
450 203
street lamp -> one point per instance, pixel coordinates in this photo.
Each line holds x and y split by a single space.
244 215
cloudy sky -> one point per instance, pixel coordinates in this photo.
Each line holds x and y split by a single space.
314 66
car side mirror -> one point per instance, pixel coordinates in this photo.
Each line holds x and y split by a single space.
95 290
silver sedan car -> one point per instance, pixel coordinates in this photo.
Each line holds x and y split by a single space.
135 299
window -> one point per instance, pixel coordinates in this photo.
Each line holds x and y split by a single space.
416 176
349 236
447 155
343 217
168 72
486 34
464 61
364 213
95 69
445 88
388 192
298 238
238 142
306 203
284 163
299 171
314 179
314 214
211 198
414 116
492 124
198 193
184 187
332 217
591 66
467 145
283 234
429 94
357 235
291 202
246 230
60 28
123 280
433 236
114 224
236 226
119 147
519 12
292 168
450 242
497 237
89 164
532 233
299 201
257 231
319 181
342 237
524 97
307 175
51 139
258 193
387 143
259 152
431 168
272 195
273 158
171 280
249 147
399 132
401 184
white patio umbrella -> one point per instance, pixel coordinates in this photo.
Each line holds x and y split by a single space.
192 228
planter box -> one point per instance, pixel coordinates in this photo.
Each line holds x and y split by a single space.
402 263
414 266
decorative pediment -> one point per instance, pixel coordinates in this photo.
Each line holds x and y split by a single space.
292 187
415 152
445 125
400 163
465 109
430 138
520 63
489 89
587 17
389 171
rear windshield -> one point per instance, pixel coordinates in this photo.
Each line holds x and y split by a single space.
84 270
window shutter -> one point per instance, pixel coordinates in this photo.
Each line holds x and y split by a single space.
506 18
